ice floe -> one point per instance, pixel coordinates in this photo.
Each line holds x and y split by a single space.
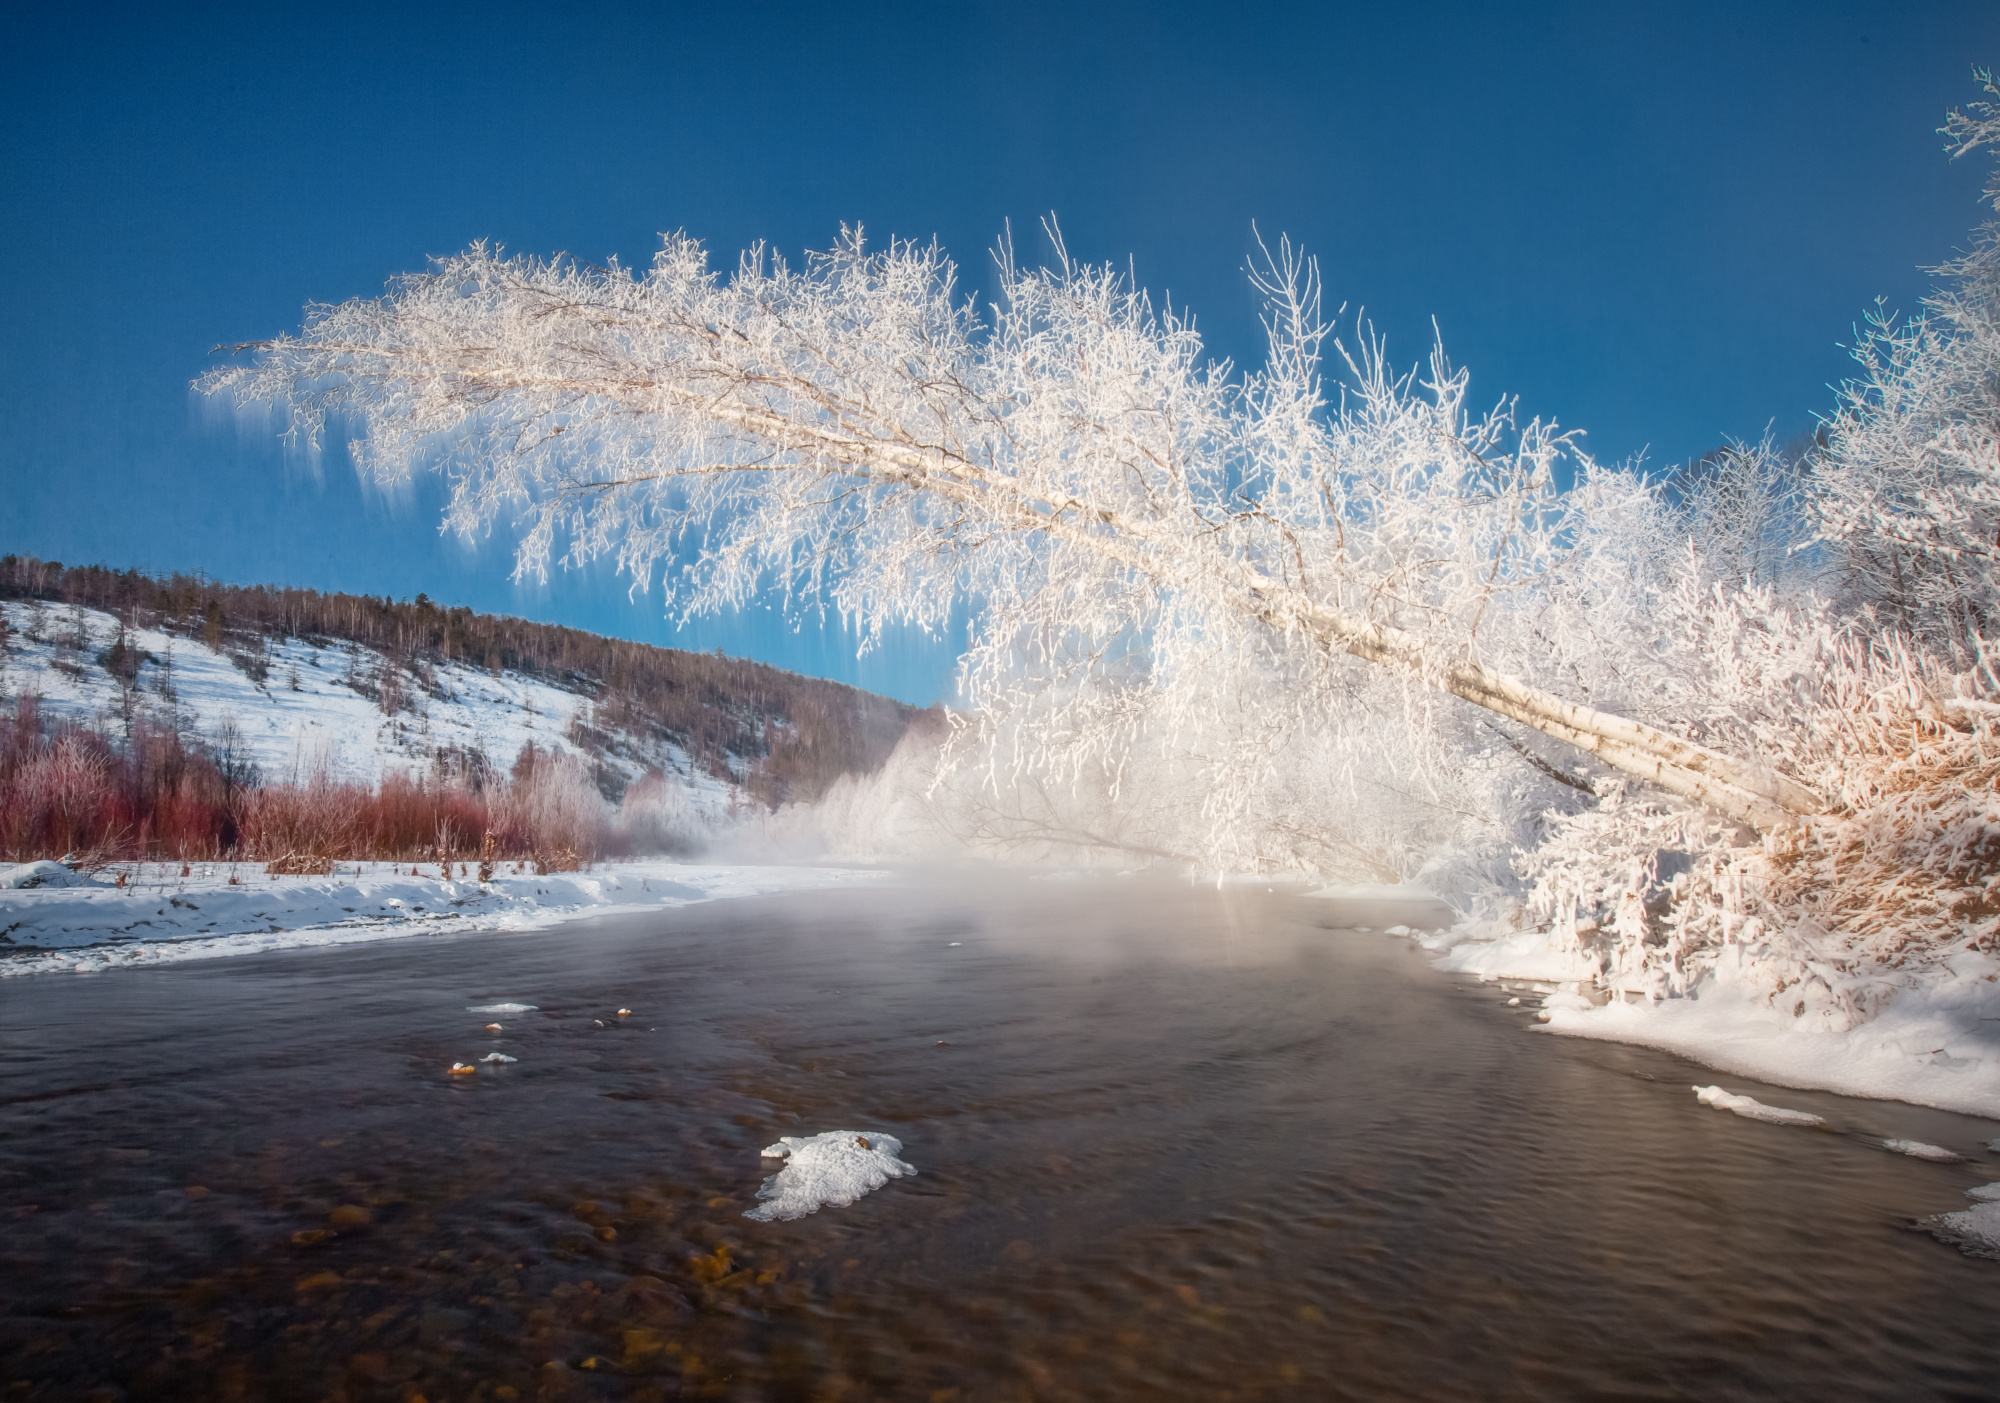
1917 1149
1975 1230
835 1168
1752 1109
500 1008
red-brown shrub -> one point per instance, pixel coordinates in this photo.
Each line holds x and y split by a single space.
67 790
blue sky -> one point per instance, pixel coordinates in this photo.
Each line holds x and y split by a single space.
1656 223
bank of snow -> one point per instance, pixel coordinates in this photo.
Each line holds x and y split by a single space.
1936 1041
157 916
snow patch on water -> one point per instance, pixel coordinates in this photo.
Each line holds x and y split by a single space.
1753 1109
500 1008
1975 1231
835 1168
1917 1149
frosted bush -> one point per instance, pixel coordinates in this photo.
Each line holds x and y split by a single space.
656 816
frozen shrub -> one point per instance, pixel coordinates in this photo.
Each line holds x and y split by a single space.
550 807
656 816
321 818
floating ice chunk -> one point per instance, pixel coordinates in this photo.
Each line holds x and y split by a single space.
498 1057
501 1008
1990 1193
1753 1109
1993 1145
1975 1231
1397 930
1917 1149
836 1167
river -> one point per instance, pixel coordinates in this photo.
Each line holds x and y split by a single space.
1172 1143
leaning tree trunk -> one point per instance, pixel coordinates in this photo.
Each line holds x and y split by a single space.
820 433
1742 790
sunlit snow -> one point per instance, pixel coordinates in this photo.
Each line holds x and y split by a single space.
310 710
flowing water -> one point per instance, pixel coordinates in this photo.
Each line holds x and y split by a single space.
1172 1143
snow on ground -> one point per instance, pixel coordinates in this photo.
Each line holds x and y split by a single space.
835 1167
161 917
314 701
1935 1043
1364 891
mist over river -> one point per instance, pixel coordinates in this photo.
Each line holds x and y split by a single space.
1170 1142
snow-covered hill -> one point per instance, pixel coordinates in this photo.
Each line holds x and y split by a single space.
292 706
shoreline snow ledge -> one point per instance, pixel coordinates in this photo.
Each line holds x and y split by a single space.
835 1167
160 917
1935 1042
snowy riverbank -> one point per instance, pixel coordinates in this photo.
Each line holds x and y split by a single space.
1936 1041
68 922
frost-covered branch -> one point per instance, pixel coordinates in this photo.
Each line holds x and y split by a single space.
851 432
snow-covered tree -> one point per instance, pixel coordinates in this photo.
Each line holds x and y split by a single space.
1907 488
1118 507
1233 617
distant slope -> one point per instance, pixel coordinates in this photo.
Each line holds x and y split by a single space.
280 678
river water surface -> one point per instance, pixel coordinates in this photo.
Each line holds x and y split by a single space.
1172 1143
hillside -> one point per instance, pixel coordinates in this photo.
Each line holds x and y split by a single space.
276 683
